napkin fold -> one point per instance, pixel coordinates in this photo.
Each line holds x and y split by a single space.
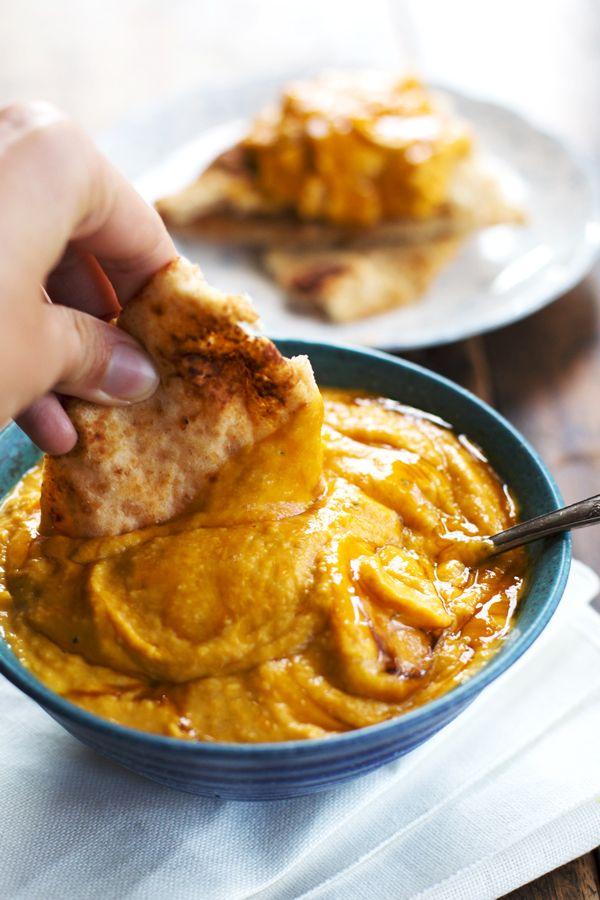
509 790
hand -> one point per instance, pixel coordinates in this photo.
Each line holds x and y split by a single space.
71 222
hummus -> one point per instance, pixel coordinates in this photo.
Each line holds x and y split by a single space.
357 149
268 614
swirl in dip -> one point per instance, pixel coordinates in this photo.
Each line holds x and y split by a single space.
255 618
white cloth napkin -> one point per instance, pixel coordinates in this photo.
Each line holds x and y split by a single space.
508 791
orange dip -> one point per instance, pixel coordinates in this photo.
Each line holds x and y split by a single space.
357 149
267 615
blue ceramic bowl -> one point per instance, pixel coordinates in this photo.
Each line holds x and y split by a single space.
275 771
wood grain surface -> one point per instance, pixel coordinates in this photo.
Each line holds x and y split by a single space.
105 59
578 879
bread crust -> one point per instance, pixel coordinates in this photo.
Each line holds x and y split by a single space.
344 285
221 389
223 206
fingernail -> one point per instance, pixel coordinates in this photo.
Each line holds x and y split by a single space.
129 376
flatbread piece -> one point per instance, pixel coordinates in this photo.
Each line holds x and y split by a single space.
221 389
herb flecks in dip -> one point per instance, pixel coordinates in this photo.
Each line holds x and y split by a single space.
256 620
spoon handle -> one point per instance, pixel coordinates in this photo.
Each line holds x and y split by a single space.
578 515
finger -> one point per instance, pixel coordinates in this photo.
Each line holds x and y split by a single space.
100 362
48 425
127 237
71 352
55 186
79 282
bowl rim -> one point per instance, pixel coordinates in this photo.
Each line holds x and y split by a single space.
458 696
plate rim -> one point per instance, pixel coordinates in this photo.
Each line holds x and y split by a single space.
580 264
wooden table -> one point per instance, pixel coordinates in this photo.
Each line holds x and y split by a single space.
104 59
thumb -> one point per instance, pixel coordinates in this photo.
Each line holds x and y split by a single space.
98 361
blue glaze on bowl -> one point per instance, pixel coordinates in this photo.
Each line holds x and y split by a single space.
275 771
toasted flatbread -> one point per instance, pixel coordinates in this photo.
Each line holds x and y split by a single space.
221 389
224 206
348 284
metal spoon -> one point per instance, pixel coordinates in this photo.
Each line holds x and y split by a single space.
578 515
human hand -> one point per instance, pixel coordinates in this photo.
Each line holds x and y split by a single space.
71 222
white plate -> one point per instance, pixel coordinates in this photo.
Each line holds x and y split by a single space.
500 275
